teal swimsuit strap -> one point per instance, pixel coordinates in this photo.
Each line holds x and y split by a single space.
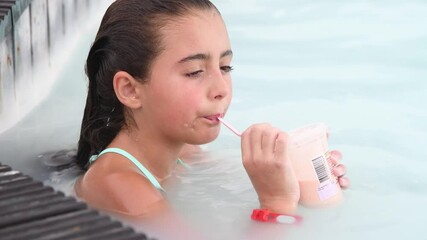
182 163
127 155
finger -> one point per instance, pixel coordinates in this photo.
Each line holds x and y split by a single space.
335 154
339 170
255 142
246 146
269 140
344 182
335 157
281 145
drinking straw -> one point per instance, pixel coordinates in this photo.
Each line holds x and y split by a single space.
235 131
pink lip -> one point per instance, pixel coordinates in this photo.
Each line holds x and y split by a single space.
214 117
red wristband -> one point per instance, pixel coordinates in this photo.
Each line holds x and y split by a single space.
264 215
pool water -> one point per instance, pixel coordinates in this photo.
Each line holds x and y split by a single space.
360 67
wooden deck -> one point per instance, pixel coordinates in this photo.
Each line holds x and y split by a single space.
31 210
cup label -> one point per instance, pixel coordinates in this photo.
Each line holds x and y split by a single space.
327 187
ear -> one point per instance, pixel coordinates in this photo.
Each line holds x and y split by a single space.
127 90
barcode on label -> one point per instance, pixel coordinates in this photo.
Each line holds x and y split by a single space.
321 169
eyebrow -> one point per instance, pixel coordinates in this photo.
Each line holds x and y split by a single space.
202 56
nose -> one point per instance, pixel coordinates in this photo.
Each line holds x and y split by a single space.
220 86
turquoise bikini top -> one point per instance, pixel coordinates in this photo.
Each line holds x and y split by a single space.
144 170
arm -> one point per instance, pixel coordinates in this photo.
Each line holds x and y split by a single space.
264 155
265 158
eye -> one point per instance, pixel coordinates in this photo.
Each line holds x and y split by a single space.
226 69
194 74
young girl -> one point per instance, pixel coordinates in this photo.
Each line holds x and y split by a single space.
159 78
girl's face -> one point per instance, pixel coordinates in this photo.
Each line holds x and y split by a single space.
190 83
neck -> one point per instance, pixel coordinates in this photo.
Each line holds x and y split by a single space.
157 155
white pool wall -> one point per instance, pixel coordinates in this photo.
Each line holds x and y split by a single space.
35 38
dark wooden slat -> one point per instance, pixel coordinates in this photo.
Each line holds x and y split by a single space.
40 212
47 222
109 234
14 181
83 230
34 203
25 192
9 175
138 236
30 210
4 168
22 186
51 225
60 228
27 198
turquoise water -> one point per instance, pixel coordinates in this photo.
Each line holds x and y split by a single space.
360 67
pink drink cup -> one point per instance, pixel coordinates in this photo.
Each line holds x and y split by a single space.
308 150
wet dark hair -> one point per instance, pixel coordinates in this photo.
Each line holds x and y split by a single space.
128 39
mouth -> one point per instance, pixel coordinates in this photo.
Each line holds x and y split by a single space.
214 118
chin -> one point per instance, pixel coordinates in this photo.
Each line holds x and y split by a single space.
203 139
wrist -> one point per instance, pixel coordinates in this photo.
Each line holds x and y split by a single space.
265 215
281 206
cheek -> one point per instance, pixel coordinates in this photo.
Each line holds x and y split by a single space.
183 107
191 101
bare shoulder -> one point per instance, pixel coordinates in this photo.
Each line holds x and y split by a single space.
119 188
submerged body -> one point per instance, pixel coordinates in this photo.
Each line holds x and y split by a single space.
171 103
